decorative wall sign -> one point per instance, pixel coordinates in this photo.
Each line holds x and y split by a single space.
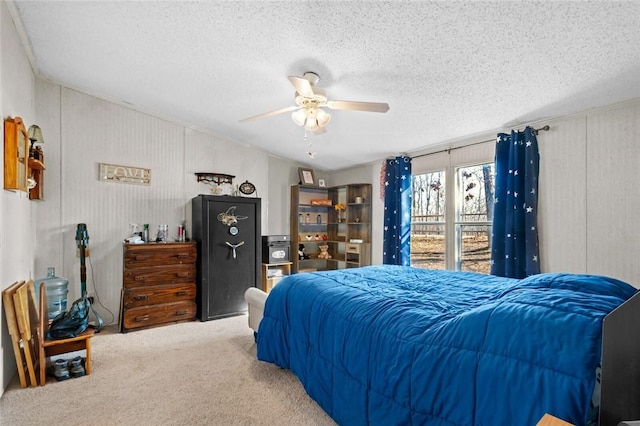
125 174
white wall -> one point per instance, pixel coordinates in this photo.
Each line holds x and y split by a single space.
86 131
588 202
588 173
17 234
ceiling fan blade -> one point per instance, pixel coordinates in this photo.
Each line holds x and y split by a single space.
269 114
359 106
303 86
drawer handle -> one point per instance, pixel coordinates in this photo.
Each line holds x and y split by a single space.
142 277
143 257
142 318
181 313
182 274
181 255
181 293
141 297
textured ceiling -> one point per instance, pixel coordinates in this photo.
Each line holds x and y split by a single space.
447 69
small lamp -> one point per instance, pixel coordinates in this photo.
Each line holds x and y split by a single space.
35 136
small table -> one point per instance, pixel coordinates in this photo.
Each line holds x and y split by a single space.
272 273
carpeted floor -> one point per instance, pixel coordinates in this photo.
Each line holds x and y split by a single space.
196 373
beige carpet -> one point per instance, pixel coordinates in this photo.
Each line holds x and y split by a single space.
196 373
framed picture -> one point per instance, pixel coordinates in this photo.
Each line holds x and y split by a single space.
307 177
321 183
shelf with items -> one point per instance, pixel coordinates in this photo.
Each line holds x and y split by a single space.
357 254
316 221
272 273
36 169
359 233
358 213
306 211
359 193
35 179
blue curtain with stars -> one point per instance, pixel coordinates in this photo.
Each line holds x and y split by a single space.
397 212
514 244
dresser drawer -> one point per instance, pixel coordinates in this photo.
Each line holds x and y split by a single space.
148 316
158 285
352 248
143 255
153 295
158 275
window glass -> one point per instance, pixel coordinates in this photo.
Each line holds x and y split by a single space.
470 221
428 221
474 211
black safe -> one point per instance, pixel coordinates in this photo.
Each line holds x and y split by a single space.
227 230
275 248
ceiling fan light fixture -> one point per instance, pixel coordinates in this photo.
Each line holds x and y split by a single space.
311 124
299 117
323 117
308 112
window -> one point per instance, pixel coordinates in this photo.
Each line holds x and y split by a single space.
474 203
465 217
428 220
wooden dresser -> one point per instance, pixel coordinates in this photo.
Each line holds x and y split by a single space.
158 285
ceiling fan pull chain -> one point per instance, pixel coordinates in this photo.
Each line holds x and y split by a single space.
310 153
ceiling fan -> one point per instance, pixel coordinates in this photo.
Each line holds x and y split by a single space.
310 101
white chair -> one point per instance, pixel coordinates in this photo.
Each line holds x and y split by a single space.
255 299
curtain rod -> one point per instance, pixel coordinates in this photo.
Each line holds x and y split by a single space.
535 132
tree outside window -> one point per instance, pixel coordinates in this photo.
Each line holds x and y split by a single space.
473 209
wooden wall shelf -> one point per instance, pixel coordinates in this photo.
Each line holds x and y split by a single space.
16 149
217 178
22 162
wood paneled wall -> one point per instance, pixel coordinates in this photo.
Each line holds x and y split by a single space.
588 201
83 131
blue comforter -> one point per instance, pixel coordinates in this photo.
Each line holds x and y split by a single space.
387 345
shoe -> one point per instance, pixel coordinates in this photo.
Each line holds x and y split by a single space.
61 372
76 370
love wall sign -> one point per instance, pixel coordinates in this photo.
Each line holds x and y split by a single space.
125 174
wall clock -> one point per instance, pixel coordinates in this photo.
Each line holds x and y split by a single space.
247 188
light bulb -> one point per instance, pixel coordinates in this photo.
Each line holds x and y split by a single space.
312 124
323 117
299 117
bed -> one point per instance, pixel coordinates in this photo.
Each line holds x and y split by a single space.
386 345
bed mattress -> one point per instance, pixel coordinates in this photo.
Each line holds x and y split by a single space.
399 345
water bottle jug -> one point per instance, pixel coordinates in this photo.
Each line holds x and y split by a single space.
57 289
